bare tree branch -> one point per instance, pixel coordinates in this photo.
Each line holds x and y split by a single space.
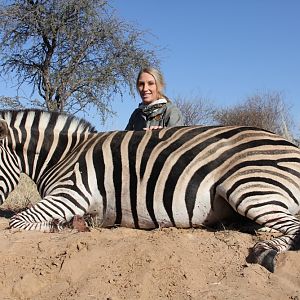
265 110
195 111
10 102
72 51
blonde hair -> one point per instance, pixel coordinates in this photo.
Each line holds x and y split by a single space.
159 80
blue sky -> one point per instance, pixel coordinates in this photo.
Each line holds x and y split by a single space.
223 50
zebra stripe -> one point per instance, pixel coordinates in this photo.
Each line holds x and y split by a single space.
179 176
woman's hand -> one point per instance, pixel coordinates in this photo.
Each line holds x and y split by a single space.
153 128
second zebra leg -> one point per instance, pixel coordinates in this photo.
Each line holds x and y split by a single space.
48 215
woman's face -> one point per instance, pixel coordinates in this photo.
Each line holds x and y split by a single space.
147 88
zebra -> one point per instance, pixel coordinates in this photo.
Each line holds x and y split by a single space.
184 177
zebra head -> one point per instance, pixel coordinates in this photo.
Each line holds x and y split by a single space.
9 167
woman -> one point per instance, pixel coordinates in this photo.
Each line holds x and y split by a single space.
156 110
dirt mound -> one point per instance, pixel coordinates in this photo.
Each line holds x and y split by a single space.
134 264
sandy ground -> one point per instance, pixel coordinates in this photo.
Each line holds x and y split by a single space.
125 263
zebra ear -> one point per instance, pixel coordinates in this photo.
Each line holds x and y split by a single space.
3 129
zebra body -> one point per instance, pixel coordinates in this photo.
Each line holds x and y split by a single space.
180 176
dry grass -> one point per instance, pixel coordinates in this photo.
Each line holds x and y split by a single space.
24 195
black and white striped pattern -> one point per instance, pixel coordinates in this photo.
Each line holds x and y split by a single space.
180 176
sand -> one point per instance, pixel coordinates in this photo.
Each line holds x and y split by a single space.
123 263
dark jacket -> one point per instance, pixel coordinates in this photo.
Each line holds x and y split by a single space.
165 115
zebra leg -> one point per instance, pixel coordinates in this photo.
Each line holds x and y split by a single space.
264 252
48 215
273 214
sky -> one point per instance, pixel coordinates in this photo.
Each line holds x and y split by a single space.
222 50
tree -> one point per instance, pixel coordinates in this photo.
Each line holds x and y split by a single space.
11 102
75 54
263 110
195 111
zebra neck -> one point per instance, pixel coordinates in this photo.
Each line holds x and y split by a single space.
39 151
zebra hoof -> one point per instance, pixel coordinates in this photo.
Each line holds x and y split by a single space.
262 256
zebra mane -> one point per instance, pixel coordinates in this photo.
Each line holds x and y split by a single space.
41 118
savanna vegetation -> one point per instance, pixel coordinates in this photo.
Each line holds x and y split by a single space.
267 110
